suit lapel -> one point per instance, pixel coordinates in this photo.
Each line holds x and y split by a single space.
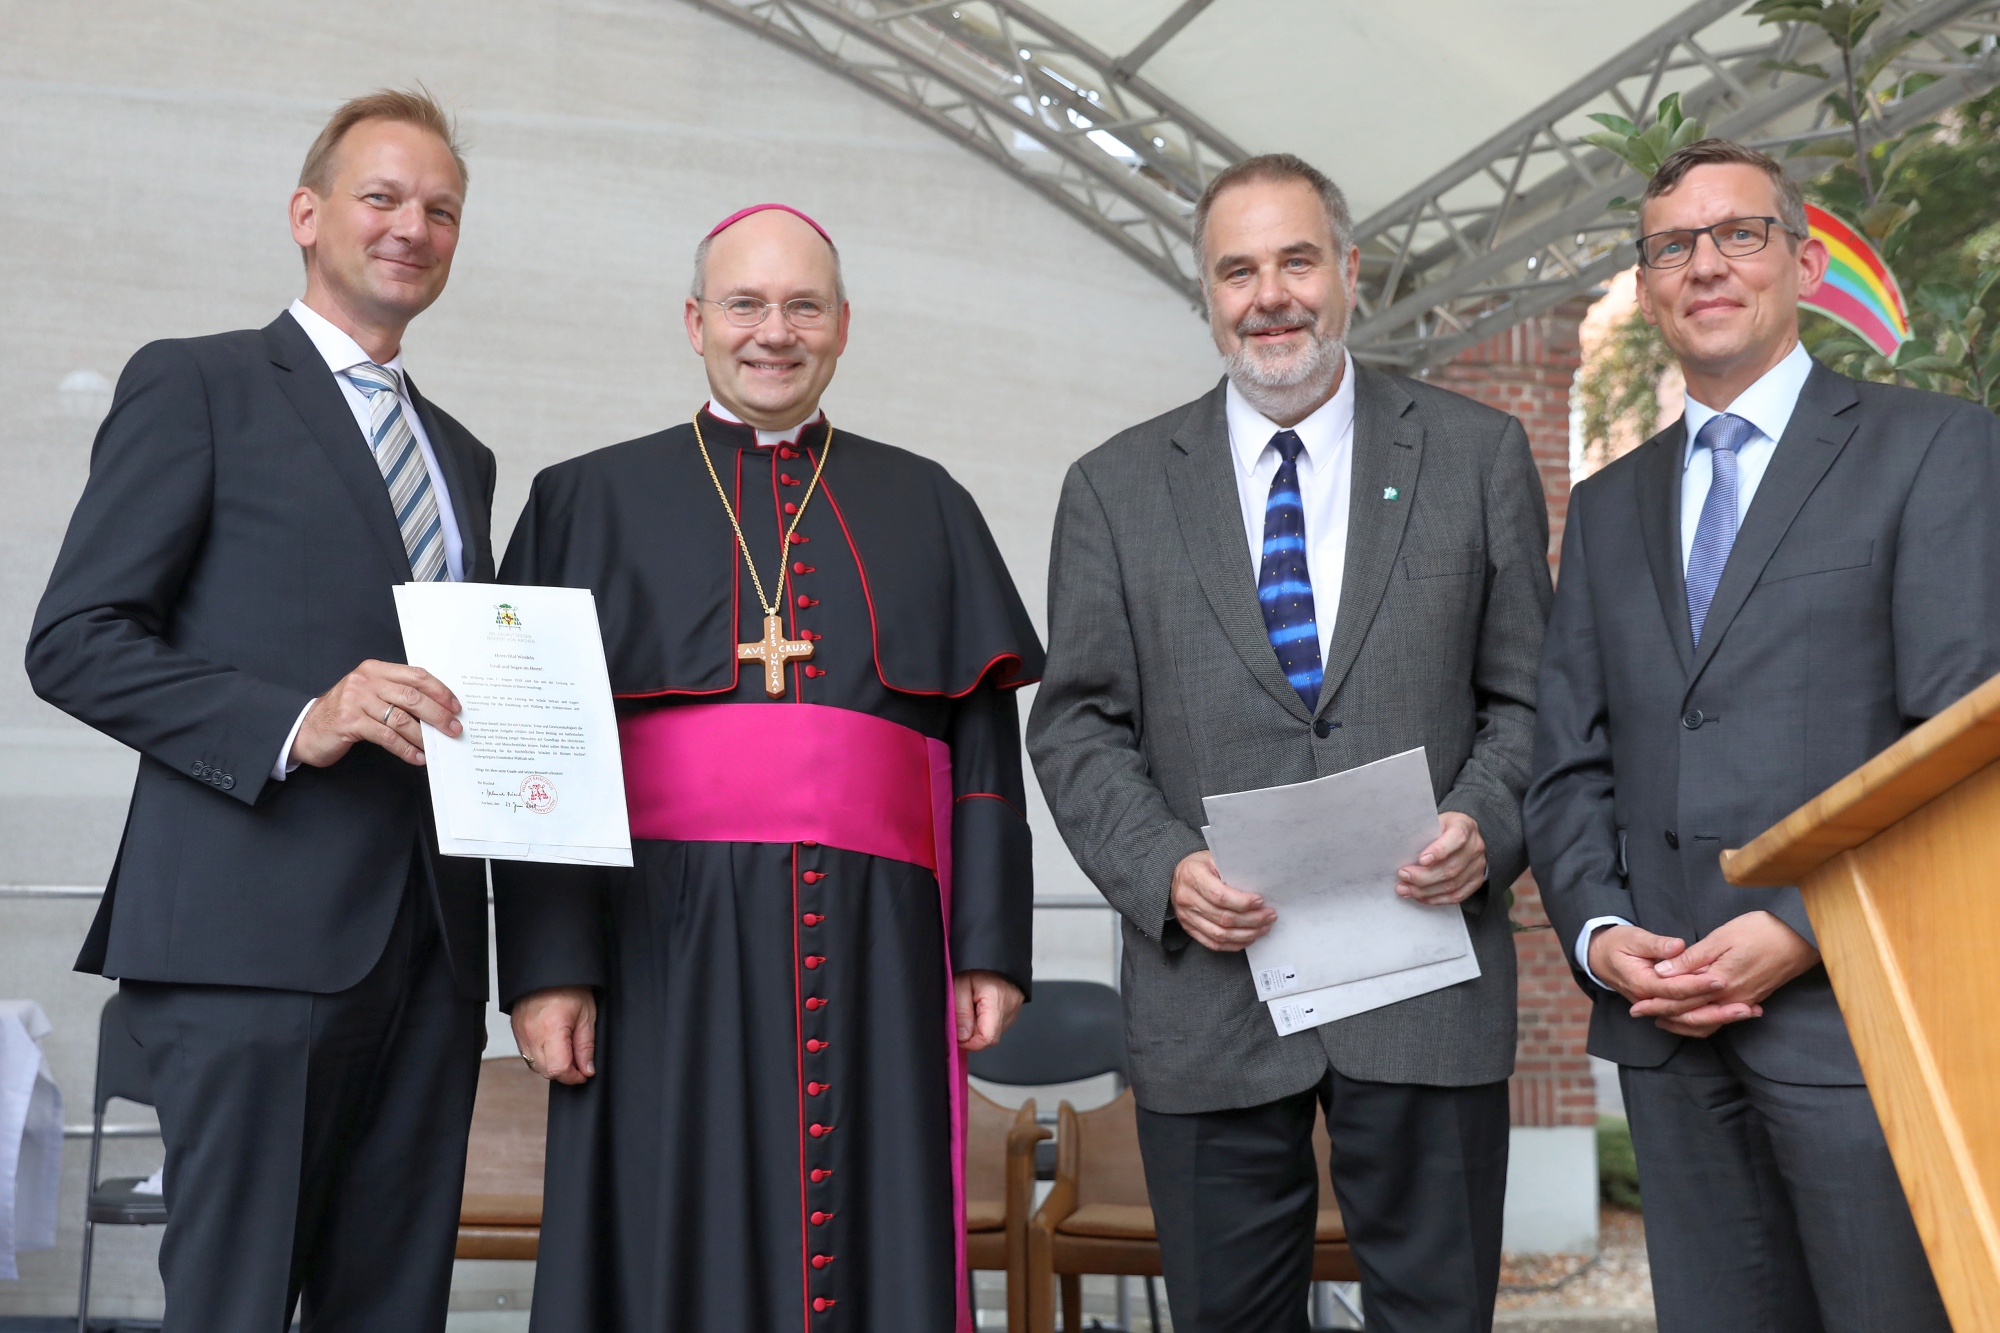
1202 481
1814 438
1659 486
1388 452
445 447
309 385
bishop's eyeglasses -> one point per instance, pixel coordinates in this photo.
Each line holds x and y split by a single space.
1738 238
747 312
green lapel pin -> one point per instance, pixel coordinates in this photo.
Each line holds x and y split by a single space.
1391 493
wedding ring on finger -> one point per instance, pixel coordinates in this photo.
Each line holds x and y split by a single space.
388 713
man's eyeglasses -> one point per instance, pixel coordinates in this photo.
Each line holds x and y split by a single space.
747 312
1738 238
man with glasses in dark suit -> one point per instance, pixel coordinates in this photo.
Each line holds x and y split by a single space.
1771 590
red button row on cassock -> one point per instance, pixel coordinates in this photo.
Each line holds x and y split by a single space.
814 1045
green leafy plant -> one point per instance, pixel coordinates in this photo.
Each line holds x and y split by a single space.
1617 1164
1845 25
1926 199
1618 389
1644 149
1957 350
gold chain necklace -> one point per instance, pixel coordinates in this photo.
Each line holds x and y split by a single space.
774 649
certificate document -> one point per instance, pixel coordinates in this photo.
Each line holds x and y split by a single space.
536 774
1325 854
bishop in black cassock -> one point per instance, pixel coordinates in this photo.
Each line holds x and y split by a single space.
768 1139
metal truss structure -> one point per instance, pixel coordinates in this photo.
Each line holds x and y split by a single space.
1076 124
1514 228
1522 223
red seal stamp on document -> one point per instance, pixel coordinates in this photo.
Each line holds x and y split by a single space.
538 794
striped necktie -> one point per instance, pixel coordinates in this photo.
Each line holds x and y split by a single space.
1715 533
402 464
1284 584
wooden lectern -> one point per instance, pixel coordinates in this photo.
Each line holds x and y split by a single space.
1899 863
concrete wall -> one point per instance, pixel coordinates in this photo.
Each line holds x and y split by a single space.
146 151
147 148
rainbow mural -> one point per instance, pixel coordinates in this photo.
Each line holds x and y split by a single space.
1860 292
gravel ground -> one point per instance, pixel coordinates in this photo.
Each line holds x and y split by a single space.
1617 1279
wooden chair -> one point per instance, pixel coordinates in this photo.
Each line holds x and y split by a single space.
501 1214
1098 1219
1000 1193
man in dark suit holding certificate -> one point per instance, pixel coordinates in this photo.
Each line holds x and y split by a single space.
1752 603
305 973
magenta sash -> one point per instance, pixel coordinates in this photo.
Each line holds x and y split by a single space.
805 773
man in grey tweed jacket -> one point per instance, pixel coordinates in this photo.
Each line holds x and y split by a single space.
1426 540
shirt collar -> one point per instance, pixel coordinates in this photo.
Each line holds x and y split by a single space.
765 438
340 351
1767 404
1331 423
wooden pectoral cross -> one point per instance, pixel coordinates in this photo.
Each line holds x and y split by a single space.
774 650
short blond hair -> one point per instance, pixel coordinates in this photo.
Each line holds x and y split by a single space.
1727 152
406 107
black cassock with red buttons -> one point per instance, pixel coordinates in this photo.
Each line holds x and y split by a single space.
767 1141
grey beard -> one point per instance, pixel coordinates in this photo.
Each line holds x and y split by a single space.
1294 390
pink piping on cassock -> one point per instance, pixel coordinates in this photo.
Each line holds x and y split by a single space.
855 781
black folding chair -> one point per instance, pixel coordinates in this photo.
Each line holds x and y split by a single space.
121 1073
1073 1030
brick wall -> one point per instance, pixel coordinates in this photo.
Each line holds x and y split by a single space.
1527 372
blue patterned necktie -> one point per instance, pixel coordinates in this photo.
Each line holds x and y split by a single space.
1284 585
402 464
1716 532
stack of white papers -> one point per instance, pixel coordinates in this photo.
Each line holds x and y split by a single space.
1325 854
536 775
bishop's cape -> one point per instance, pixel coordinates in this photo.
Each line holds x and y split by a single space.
770 1140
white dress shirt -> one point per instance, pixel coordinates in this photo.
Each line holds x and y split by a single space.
1767 405
765 438
341 352
1326 484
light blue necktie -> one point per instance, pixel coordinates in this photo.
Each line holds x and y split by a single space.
402 464
1716 532
1284 584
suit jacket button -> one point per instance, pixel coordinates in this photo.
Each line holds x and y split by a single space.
1673 840
228 782
1321 729
1693 719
